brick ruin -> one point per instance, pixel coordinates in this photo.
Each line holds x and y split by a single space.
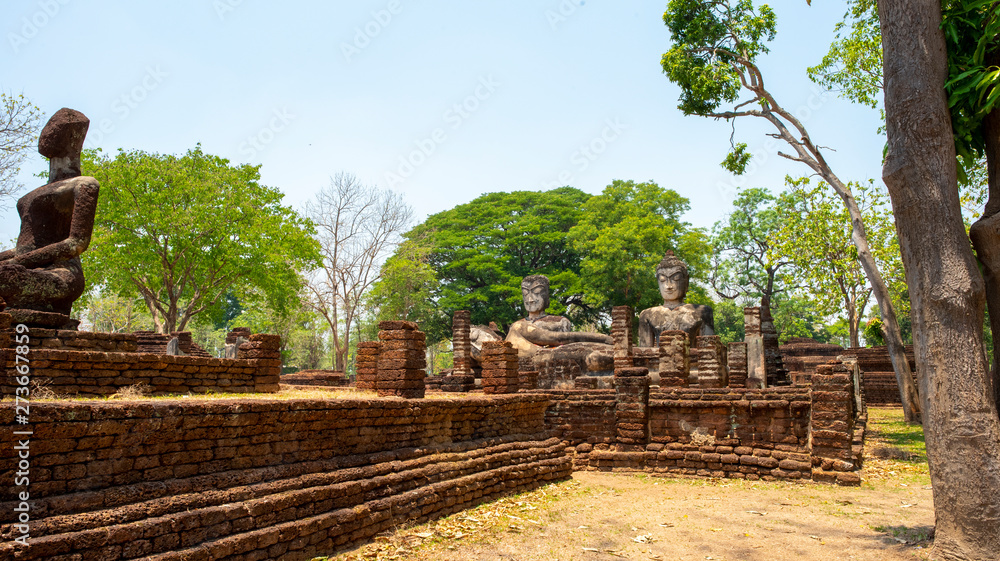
85 364
266 478
877 378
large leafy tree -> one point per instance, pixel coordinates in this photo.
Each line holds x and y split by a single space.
480 251
714 57
183 231
815 235
622 236
405 289
744 262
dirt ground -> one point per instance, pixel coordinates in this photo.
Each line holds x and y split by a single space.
602 516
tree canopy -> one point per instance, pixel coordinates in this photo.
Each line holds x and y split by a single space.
182 231
480 251
621 237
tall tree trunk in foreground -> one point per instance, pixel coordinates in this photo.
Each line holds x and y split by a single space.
947 292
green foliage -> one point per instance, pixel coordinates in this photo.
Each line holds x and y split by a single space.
480 251
183 231
853 65
799 316
405 290
729 321
745 263
816 236
736 160
873 332
710 39
623 235
972 35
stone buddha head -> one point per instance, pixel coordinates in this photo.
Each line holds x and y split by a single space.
672 276
535 291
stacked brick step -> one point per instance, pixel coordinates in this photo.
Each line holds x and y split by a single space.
621 334
833 413
264 352
711 356
675 363
401 360
458 383
294 512
500 373
737 362
461 344
366 364
631 409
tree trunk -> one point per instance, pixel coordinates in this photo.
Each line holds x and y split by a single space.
985 233
961 426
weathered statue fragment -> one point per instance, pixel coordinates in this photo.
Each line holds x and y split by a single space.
674 314
544 337
41 277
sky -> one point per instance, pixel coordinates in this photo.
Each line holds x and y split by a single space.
439 101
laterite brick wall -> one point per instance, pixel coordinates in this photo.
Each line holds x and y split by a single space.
263 479
101 373
729 432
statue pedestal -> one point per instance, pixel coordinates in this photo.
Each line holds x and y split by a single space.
42 320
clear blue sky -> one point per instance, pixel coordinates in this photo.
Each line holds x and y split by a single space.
494 96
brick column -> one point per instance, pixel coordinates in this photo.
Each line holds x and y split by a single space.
675 364
499 368
401 360
737 363
712 369
263 351
366 364
621 333
631 409
461 344
756 362
832 425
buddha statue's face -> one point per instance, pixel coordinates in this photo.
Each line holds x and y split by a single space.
673 285
536 298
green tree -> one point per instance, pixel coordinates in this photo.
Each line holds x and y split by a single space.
480 251
183 231
816 236
18 132
744 263
622 236
714 61
405 289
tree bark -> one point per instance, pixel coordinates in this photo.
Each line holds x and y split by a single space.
985 233
947 292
